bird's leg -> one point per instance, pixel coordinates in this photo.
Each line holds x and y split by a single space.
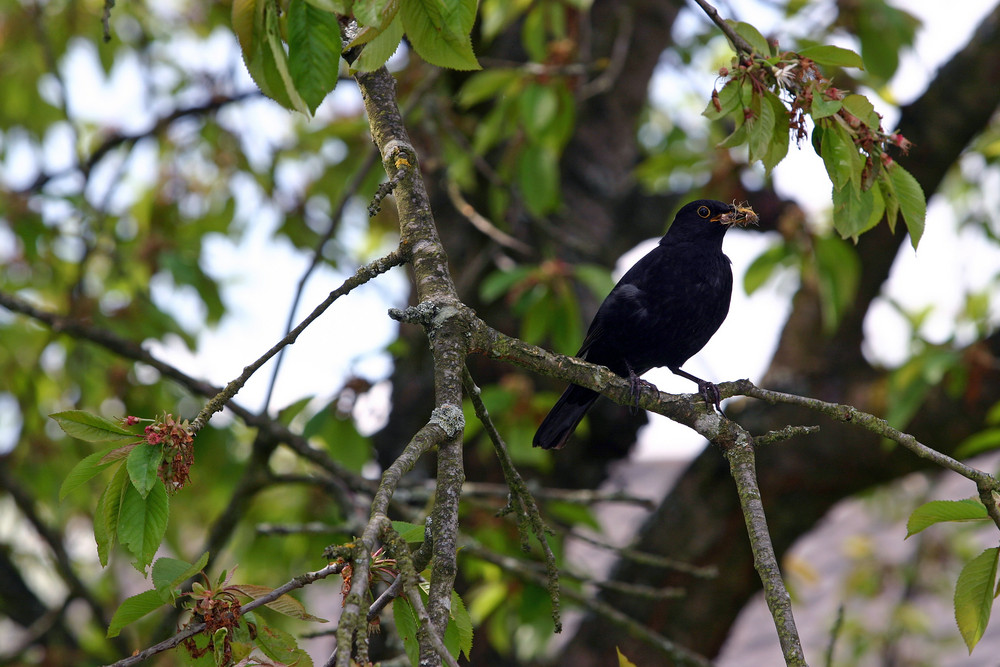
707 389
637 386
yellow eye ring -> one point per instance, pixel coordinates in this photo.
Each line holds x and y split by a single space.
704 212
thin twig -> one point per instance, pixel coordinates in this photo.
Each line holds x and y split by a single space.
363 275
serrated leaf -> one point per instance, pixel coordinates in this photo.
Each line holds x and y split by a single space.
852 209
169 573
280 84
463 625
761 129
378 51
734 95
285 604
937 511
777 147
974 596
439 31
840 156
405 620
88 468
313 51
820 107
108 513
143 522
143 464
860 107
835 56
281 647
377 14
753 38
83 425
912 203
132 609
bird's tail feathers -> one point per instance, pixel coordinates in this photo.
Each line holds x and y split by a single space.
564 417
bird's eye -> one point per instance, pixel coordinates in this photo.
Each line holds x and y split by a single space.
704 212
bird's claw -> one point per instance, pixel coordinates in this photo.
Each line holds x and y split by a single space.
711 394
637 385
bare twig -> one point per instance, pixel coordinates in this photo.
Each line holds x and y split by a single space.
740 44
363 275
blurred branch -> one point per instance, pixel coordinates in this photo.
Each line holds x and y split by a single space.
117 139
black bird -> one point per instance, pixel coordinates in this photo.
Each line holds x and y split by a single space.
662 311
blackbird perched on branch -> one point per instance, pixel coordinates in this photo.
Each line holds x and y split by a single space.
660 313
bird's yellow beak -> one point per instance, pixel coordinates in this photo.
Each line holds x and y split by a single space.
741 214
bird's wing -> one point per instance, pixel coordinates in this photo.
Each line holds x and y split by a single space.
625 299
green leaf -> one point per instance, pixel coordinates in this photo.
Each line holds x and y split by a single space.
937 511
170 573
281 647
108 513
760 128
732 97
377 14
411 533
500 282
276 71
313 51
820 107
912 203
132 609
753 38
143 522
486 85
143 464
405 620
538 107
463 624
378 51
285 604
597 279
342 7
763 267
860 107
91 466
91 428
622 660
974 596
977 443
439 31
777 147
852 210
538 178
840 156
834 56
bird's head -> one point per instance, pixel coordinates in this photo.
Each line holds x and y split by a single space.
692 221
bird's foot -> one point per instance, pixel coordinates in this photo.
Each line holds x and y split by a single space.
711 394
638 386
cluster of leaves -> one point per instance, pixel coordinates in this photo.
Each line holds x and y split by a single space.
134 507
977 586
867 183
544 299
300 77
230 635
